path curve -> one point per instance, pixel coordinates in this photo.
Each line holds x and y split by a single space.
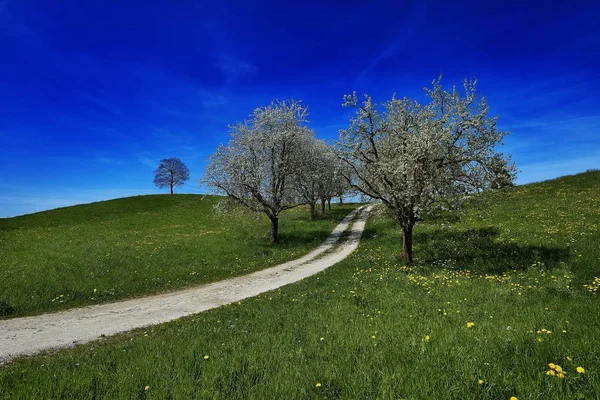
31 335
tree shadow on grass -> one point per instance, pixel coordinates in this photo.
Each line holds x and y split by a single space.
480 251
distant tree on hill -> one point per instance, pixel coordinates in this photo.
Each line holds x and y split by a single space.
259 167
171 172
410 156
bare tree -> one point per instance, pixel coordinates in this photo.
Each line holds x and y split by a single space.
411 156
259 165
171 172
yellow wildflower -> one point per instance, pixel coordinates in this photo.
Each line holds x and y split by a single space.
318 385
514 398
569 358
147 388
206 357
558 368
480 381
470 324
580 370
427 338
552 365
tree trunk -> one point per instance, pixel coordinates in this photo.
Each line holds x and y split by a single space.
171 188
274 229
329 203
341 200
312 210
323 205
407 243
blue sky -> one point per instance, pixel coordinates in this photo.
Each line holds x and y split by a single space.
94 93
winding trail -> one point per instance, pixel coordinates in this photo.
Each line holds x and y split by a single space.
31 335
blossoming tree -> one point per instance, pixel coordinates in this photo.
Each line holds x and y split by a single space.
259 166
411 156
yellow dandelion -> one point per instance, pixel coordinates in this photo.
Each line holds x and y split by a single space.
550 372
569 358
206 357
321 339
561 375
147 388
513 398
318 385
580 370
470 324
552 365
480 382
427 338
558 369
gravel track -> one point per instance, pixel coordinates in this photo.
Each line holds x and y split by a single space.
31 335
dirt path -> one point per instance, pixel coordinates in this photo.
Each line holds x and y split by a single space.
31 335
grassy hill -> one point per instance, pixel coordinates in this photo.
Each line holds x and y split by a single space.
133 246
495 306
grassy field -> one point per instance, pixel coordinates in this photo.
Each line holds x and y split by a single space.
129 247
495 306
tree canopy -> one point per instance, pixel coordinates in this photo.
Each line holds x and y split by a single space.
259 167
412 156
171 172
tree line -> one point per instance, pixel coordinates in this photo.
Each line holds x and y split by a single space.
413 158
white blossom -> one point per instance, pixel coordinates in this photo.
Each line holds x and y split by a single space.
410 156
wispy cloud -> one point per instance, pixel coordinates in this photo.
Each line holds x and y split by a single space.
233 68
147 161
407 28
102 103
110 161
539 171
211 99
583 123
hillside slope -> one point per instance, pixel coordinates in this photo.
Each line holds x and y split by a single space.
133 246
493 307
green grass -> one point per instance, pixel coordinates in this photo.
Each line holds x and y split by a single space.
134 246
514 264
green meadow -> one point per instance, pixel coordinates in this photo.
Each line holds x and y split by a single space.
111 250
501 301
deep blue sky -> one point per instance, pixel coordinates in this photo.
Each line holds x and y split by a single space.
94 93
